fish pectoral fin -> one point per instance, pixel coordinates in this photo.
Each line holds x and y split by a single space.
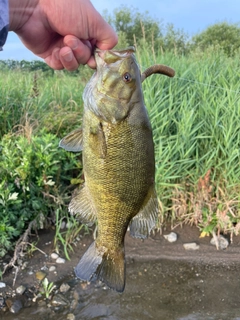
104 264
99 140
102 142
73 141
81 205
142 224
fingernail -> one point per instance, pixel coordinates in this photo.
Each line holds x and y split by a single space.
73 44
56 54
68 56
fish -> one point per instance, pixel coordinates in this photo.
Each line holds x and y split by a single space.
117 147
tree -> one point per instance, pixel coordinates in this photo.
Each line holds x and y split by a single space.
131 23
175 40
221 35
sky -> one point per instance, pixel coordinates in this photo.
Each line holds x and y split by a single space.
193 16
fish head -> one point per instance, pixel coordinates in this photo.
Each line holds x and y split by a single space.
115 87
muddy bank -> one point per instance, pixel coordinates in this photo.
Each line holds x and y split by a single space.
164 281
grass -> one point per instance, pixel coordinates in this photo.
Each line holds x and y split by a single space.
196 126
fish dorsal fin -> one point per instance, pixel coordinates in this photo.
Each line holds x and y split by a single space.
73 141
142 224
81 205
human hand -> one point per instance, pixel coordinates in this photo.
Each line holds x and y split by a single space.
61 32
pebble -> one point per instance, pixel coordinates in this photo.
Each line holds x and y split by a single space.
24 265
34 299
21 289
63 225
171 237
191 246
60 260
2 285
54 256
71 316
69 225
59 300
40 275
2 302
64 288
16 306
222 242
52 268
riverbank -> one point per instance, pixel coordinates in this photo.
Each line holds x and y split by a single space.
67 290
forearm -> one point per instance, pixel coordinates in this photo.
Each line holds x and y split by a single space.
4 22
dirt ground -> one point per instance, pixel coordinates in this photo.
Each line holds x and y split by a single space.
153 249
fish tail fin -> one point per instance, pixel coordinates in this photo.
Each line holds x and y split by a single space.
104 264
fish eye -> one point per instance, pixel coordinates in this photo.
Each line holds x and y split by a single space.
127 77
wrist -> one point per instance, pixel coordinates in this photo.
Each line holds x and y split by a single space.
19 12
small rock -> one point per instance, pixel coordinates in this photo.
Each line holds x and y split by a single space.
59 300
24 265
21 289
71 316
42 303
54 255
52 268
44 268
16 306
40 275
69 225
34 299
64 287
74 300
222 242
2 302
63 225
191 246
60 260
2 285
171 237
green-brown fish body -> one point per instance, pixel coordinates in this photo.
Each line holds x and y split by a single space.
118 164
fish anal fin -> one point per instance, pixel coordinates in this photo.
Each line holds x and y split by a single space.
73 141
103 264
145 221
81 205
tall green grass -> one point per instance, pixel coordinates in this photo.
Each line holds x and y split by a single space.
196 124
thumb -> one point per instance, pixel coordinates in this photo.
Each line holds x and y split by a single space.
104 35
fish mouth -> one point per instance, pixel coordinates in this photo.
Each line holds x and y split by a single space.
111 56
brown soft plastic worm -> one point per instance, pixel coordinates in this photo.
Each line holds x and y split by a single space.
158 68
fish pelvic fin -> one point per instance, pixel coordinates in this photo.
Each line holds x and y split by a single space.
103 264
81 205
145 221
73 141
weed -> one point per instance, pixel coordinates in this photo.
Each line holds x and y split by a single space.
47 288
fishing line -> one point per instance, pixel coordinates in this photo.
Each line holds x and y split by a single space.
206 84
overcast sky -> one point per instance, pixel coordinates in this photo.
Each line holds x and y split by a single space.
192 16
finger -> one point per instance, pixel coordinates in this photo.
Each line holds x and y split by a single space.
53 60
68 59
92 63
106 37
99 29
82 50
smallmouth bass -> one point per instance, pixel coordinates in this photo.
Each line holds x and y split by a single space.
118 163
